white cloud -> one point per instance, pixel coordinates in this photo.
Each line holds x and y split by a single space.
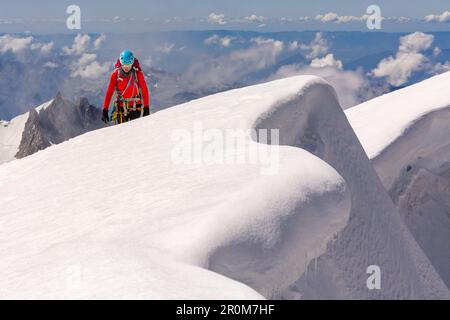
294 45
116 19
437 51
260 56
233 67
328 17
15 45
255 18
264 41
50 65
398 70
284 20
407 60
346 19
216 39
94 70
440 68
443 17
87 58
174 20
87 67
402 19
415 42
166 48
98 42
352 87
327 61
349 85
79 46
317 47
217 18
334 17
45 48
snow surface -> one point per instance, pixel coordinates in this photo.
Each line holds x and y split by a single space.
10 137
44 106
110 215
408 139
381 121
374 234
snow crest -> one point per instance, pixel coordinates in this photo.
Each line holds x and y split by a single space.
413 163
109 214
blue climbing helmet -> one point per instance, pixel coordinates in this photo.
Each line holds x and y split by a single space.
126 57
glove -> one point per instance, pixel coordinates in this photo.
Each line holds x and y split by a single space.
105 116
146 111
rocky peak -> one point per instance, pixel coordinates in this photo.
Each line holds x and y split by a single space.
60 121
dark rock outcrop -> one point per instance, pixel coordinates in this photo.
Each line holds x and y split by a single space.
58 122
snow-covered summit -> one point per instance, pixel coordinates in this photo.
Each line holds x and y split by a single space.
407 135
381 121
114 213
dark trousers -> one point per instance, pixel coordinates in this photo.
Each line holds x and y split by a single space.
131 114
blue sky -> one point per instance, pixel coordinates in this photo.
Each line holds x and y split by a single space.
152 15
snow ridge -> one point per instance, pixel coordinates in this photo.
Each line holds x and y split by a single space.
375 235
86 219
413 163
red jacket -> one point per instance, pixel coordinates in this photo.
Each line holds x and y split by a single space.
119 80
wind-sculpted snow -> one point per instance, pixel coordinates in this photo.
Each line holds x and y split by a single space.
381 121
374 234
132 211
111 213
413 163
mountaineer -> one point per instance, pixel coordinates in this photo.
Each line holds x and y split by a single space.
128 83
